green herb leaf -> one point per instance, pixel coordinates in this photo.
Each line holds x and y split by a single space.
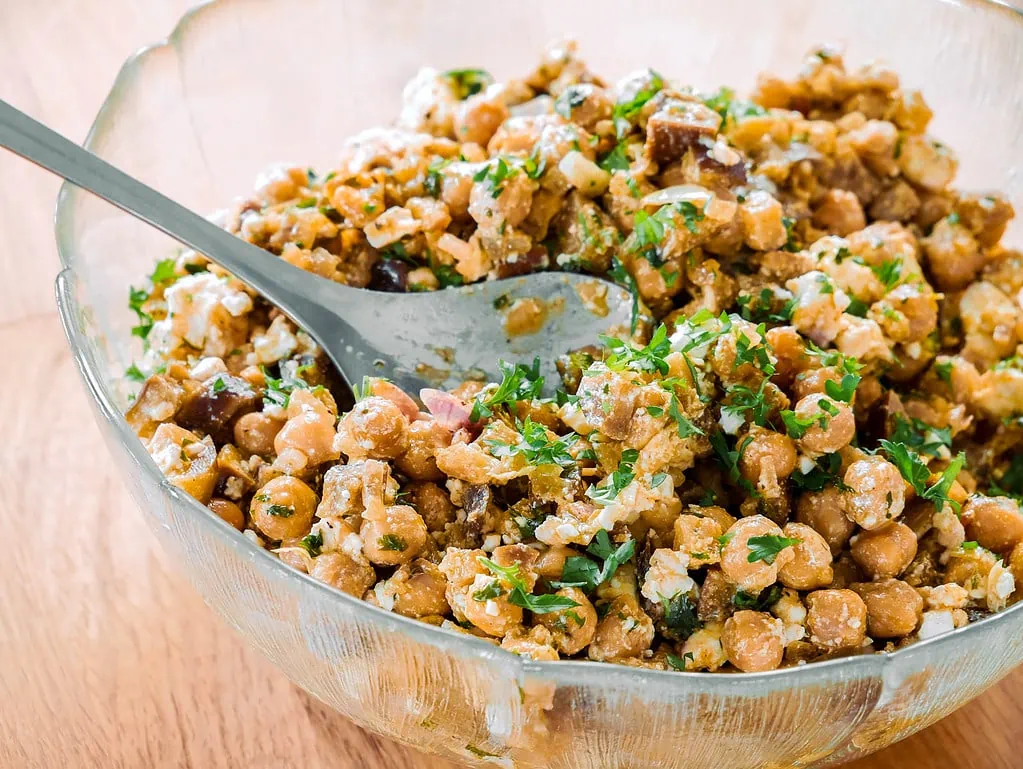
519 383
280 511
680 616
537 446
468 82
312 543
134 373
767 547
392 542
617 481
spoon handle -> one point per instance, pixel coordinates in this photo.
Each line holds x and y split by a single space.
287 285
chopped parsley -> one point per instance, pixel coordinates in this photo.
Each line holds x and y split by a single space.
797 426
520 595
617 481
889 272
392 542
944 371
569 99
680 616
134 373
519 382
447 276
582 572
824 473
278 391
1011 482
280 511
625 112
744 402
434 178
761 308
624 278
137 297
537 446
920 436
647 359
729 458
761 602
767 547
679 663
312 544
729 107
468 82
916 473
844 390
616 160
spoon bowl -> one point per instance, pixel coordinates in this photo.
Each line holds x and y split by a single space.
434 339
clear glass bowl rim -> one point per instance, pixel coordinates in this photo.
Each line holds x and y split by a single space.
574 672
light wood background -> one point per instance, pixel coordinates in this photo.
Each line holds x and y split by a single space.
107 657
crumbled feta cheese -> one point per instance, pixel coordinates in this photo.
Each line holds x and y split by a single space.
385 596
731 422
206 368
668 575
936 623
491 608
492 541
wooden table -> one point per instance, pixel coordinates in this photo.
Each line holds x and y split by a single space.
107 657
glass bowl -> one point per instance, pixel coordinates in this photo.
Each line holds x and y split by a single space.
240 84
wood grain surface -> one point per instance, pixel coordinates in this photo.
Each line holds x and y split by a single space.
107 656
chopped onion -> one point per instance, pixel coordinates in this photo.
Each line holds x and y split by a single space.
585 175
448 410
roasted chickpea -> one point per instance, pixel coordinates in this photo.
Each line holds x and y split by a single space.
419 589
877 492
425 436
626 631
837 619
397 537
698 538
753 641
338 568
833 424
752 576
228 511
431 502
376 428
551 563
884 552
894 609
810 566
822 511
487 606
719 514
573 629
255 433
309 429
814 381
767 458
283 508
536 644
790 350
994 522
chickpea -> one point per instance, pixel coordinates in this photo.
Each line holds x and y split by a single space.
884 552
994 522
309 429
626 631
719 514
573 629
228 511
375 427
521 556
769 457
810 567
698 538
419 589
894 609
752 577
753 641
487 606
877 492
188 462
833 427
283 508
255 433
396 538
344 572
822 511
814 381
419 462
551 563
790 350
837 619
433 503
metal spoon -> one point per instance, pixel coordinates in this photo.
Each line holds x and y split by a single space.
433 338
